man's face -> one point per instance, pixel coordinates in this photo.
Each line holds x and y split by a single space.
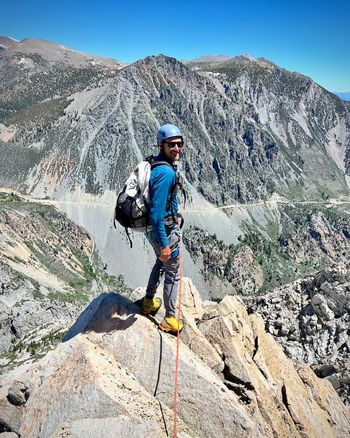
171 148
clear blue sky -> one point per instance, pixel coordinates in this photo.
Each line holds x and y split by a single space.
311 37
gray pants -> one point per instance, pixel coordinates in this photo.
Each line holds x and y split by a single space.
170 269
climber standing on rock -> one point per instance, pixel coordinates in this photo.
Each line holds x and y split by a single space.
165 235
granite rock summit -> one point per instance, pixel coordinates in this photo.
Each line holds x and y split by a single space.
114 375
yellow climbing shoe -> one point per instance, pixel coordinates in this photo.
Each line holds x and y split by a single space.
171 324
150 306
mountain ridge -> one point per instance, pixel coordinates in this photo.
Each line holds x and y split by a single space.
240 128
46 48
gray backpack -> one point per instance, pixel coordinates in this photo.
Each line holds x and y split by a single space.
131 210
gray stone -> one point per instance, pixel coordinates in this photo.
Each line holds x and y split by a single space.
10 416
18 393
125 349
321 336
284 331
317 300
326 311
334 379
314 319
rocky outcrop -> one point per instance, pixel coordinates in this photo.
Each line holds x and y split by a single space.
299 240
310 319
114 375
46 277
43 258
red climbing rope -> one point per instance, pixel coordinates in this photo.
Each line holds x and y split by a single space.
177 349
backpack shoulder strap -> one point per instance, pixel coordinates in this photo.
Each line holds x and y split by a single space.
162 163
154 163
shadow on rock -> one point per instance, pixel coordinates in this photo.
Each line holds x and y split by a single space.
105 313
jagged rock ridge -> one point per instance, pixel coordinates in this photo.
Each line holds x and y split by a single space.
310 319
115 374
301 240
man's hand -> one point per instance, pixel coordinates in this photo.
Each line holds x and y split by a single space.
165 254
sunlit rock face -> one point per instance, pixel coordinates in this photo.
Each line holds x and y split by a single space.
113 373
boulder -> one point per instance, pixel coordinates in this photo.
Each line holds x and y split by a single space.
18 393
10 416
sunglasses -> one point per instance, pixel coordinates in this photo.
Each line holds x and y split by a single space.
173 144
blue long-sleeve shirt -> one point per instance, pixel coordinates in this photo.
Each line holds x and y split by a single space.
163 202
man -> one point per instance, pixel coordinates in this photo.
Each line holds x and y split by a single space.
165 235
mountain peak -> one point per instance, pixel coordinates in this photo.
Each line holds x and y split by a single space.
160 60
53 52
218 60
208 59
243 58
7 42
248 59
